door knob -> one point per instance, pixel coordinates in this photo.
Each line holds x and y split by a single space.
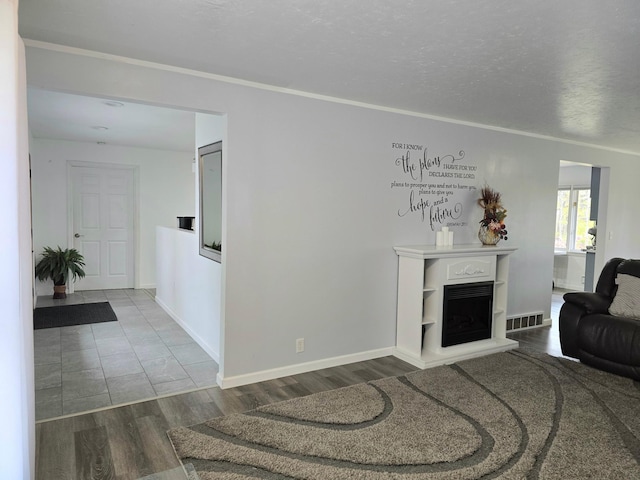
77 235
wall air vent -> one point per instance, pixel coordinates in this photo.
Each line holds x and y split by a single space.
529 320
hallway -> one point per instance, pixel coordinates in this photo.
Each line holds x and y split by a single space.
144 355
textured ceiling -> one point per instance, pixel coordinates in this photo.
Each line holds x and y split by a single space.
567 69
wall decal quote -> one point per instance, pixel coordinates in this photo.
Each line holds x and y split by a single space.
437 187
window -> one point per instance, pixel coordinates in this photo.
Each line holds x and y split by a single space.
572 219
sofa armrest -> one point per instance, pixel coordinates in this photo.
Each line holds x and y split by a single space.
589 302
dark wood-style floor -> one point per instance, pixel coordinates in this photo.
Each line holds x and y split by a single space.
130 442
546 339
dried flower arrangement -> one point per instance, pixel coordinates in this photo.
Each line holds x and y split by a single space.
494 213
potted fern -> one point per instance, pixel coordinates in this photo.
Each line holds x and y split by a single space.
58 265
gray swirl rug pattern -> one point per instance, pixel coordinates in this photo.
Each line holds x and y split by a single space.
512 415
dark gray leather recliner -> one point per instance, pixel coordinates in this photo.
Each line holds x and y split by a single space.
591 334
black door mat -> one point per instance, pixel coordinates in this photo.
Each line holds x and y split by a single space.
66 315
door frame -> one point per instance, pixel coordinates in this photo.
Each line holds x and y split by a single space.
71 164
603 204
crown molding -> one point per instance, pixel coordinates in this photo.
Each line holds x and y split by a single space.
300 93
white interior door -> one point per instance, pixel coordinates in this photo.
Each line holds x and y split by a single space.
103 230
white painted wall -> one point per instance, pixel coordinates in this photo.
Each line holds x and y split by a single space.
166 189
189 287
575 175
17 435
311 219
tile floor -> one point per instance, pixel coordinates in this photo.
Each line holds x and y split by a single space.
145 354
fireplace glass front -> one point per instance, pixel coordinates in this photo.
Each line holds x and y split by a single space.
467 313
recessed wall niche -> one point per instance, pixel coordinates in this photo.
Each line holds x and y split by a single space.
210 176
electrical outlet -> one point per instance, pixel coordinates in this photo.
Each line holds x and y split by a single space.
299 345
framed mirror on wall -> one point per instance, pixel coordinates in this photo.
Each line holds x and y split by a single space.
210 227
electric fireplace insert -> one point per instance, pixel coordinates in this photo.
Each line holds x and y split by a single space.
467 313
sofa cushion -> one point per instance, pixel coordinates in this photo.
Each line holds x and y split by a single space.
613 338
626 303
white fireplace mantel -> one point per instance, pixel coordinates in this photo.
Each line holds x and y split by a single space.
423 271
429 251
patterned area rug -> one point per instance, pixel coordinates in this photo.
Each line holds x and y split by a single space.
511 415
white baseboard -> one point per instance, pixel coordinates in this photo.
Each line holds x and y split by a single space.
192 334
263 375
147 286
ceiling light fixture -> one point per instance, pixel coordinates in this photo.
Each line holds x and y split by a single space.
115 104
